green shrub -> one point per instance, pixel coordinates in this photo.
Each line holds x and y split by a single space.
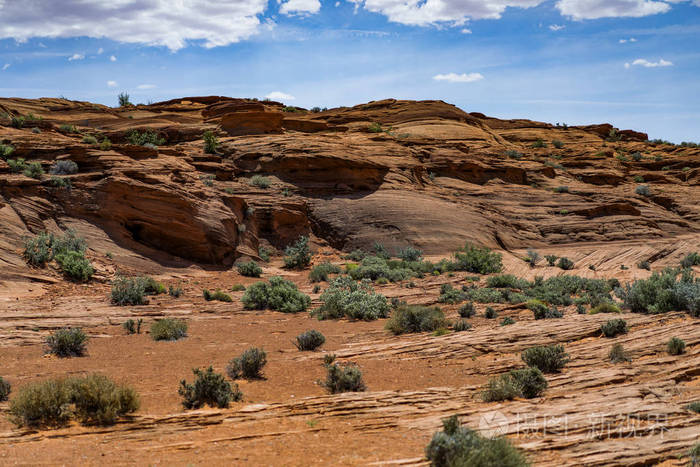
264 254
490 313
211 142
67 128
694 455
513 154
124 100
551 259
5 389
692 259
450 295
144 138
17 122
357 301
298 255
248 365
75 265
507 321
381 251
479 260
277 294
91 140
642 190
605 307
614 327
467 310
17 165
532 257
562 189
320 272
69 241
259 181
539 144
410 254
60 182
67 342
694 407
106 144
546 358
565 264
557 144
506 281
618 354
644 265
175 291
675 346
461 325
6 150
132 327
527 382
662 292
168 329
374 128
97 400
458 446
208 388
249 269
237 288
41 404
343 378
128 291
33 170
37 250
218 295
309 340
416 318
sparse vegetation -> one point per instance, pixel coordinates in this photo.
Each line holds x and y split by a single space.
64 167
259 181
670 289
75 265
565 264
675 346
409 254
133 290
6 151
249 269
67 342
211 142
644 265
539 144
614 327
458 446
5 389
643 190
461 325
248 365
546 358
144 138
507 321
277 294
478 260
209 388
557 144
618 354
168 329
354 300
322 271
416 318
343 378
217 295
527 383
605 307
123 99
551 259
298 255
467 310
490 313
132 327
309 340
690 260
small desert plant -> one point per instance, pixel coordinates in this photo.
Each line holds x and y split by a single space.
208 388
144 138
128 291
75 265
551 259
614 327
410 254
217 295
644 265
297 255
449 294
513 154
374 128
264 254
64 167
211 142
17 122
694 407
478 260
539 144
248 365
467 310
67 342
41 404
249 269
694 455
320 272
259 181
565 263
458 446
5 389
618 354
605 307
343 378
175 291
547 358
31 170
532 257
345 297
562 189
168 329
123 99
106 144
90 139
461 325
309 340
6 150
67 128
277 294
490 313
642 190
527 383
675 346
37 250
507 321
557 144
691 259
416 318
237 288
132 327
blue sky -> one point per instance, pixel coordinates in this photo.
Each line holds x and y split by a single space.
633 63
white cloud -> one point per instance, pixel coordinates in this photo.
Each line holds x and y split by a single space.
153 22
454 12
461 78
556 27
594 9
112 84
76 57
300 7
112 58
277 95
6 66
146 86
647 64
100 51
469 31
631 39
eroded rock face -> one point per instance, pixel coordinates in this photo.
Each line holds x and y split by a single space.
427 173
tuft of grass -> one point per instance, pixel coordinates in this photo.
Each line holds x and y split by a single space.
259 181
605 307
5 389
675 346
67 342
217 295
528 383
618 354
168 329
